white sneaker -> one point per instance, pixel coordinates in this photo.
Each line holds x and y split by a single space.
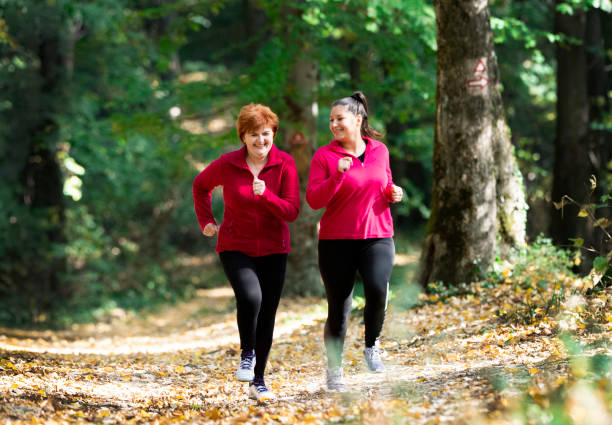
372 358
246 368
259 392
335 379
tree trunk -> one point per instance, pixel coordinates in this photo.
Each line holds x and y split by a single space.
600 137
477 190
299 131
571 167
42 182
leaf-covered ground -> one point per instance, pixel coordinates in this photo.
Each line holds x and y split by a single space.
461 359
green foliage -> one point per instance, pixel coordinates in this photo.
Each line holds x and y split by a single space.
127 164
579 397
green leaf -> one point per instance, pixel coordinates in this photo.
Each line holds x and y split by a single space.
578 242
600 264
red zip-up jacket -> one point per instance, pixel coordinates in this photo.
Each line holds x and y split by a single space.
255 225
357 201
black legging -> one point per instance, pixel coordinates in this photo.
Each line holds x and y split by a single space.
339 260
257 284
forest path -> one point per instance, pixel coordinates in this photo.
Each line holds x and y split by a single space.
447 363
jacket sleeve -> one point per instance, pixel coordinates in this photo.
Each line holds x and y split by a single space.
286 205
390 184
203 185
321 185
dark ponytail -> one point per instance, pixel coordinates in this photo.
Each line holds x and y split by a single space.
358 105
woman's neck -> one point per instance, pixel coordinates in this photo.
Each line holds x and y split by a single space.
256 164
354 146
257 161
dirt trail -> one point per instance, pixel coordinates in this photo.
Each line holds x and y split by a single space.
177 365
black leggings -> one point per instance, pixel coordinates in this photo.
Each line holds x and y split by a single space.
257 284
339 260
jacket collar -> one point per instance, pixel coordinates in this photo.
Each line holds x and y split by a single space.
337 147
238 158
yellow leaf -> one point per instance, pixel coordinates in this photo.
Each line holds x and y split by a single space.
14 386
577 261
533 370
127 378
179 369
583 213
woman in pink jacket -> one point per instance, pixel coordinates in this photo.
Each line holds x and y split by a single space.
350 177
261 194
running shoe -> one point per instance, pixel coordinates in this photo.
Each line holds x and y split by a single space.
259 392
246 368
372 358
335 380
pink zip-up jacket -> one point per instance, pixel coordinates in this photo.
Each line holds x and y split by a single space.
255 225
357 201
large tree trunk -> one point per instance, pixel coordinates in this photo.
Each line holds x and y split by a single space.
299 130
298 125
42 182
571 167
477 190
600 137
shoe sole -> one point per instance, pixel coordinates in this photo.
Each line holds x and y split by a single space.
247 378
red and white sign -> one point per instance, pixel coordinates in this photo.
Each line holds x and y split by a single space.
479 81
480 67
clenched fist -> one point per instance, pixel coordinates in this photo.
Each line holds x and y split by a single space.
258 186
345 163
396 193
210 229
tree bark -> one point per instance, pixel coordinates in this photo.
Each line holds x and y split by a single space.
42 183
600 137
477 190
298 128
571 167
299 131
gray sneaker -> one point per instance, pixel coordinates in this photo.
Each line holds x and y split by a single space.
372 358
259 392
246 368
335 380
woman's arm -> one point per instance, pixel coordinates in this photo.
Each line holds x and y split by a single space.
321 185
286 205
393 193
203 185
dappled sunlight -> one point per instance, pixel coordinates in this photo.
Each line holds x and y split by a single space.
448 361
163 332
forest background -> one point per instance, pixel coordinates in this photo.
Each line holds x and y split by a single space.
113 305
111 107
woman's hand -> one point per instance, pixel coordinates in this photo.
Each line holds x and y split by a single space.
345 163
396 193
210 229
258 186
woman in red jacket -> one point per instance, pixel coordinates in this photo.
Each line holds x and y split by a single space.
261 194
351 178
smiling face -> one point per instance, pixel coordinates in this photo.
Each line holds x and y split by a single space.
344 125
259 141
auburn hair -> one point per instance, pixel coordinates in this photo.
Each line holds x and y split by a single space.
254 116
